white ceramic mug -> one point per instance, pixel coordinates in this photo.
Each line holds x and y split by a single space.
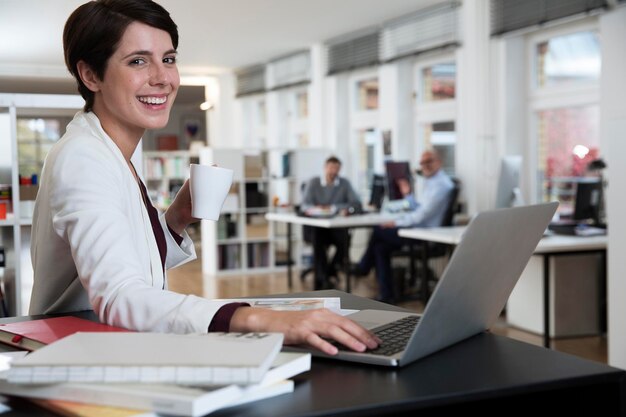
209 186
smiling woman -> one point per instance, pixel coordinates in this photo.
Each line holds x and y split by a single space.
97 241
140 84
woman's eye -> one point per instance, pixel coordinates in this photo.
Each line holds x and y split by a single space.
137 61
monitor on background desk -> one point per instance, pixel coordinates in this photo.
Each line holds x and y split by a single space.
509 193
588 200
585 219
396 170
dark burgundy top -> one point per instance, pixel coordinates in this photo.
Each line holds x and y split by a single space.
221 320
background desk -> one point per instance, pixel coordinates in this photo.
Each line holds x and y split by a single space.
487 373
549 246
337 222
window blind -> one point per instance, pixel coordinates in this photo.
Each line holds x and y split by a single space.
353 51
510 15
250 80
427 29
290 70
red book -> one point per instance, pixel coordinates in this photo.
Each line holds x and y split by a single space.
34 334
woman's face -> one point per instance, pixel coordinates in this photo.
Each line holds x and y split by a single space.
140 83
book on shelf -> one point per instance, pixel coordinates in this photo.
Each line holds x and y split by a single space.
258 254
229 256
213 358
35 334
170 399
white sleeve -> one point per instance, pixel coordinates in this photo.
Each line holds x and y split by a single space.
177 254
89 209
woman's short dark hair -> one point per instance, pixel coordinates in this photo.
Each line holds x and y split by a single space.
94 30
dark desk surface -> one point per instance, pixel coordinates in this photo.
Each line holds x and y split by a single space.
487 373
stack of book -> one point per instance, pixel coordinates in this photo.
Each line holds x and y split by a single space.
143 373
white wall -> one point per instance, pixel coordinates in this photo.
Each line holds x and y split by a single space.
318 119
225 128
613 143
396 108
475 138
510 109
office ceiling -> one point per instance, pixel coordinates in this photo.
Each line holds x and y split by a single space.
215 35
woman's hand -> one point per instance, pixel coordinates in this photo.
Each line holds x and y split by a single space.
178 215
309 327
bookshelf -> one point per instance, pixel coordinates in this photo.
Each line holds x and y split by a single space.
29 125
242 240
164 173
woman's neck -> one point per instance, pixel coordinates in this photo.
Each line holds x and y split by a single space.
125 139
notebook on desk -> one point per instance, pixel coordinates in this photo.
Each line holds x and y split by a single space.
128 357
471 293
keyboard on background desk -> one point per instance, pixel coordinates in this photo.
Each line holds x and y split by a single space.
576 229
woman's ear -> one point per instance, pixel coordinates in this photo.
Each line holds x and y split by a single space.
88 76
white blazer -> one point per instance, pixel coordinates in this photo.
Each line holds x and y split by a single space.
92 241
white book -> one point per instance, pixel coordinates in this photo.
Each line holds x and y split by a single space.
213 358
256 392
171 399
290 304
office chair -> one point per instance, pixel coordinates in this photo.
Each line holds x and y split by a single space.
307 237
413 250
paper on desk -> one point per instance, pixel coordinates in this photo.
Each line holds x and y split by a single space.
291 304
7 357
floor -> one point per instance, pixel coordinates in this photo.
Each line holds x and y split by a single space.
188 279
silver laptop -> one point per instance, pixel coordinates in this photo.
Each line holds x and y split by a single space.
471 293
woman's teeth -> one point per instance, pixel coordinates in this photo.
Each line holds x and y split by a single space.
153 100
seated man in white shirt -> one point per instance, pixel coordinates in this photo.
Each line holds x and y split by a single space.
428 211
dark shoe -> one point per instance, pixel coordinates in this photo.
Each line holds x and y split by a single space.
332 272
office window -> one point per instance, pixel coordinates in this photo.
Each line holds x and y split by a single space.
370 159
568 140
439 82
254 121
261 115
293 123
360 153
572 58
367 94
435 109
303 140
302 105
442 137
35 137
564 102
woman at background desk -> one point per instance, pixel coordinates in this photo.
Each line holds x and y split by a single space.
97 241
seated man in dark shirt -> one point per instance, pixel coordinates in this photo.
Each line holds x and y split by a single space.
332 194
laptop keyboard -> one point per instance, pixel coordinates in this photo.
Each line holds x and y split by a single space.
394 336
